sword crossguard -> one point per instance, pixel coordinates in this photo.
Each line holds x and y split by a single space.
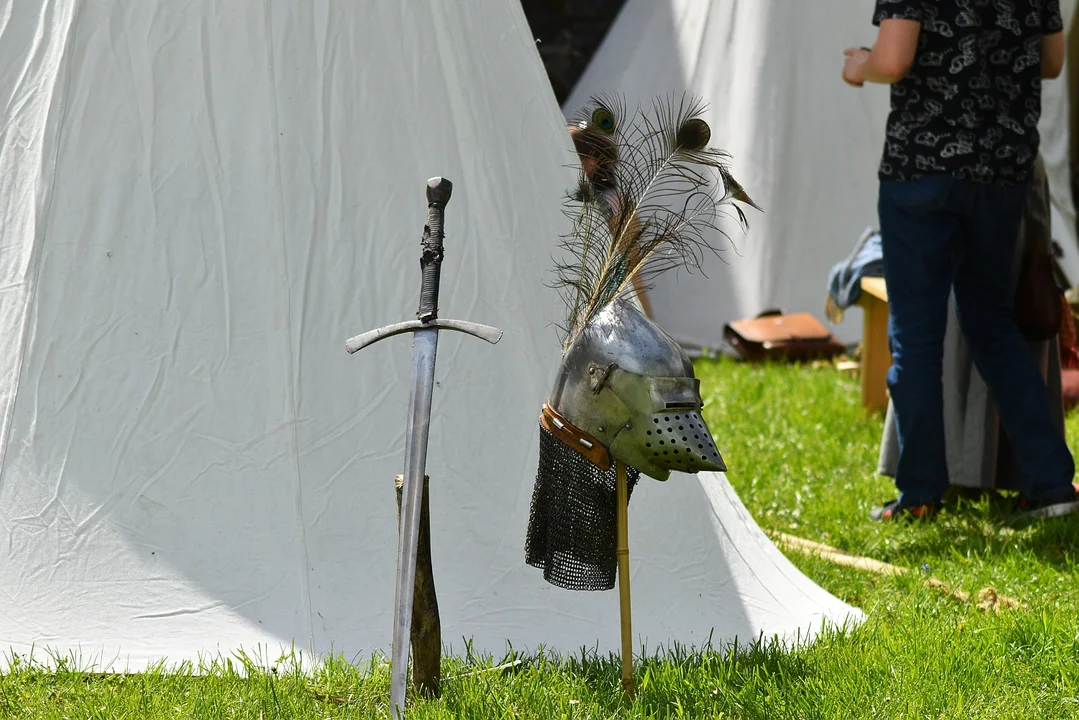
439 190
483 332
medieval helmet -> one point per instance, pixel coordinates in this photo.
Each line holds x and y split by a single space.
647 200
626 386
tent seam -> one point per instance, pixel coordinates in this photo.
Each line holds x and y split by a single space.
291 386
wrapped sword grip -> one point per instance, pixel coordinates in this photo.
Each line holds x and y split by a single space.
438 194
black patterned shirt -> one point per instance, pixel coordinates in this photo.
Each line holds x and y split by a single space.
971 102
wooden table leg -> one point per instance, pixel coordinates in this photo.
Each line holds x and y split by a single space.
876 355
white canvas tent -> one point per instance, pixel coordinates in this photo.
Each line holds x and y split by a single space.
201 202
804 144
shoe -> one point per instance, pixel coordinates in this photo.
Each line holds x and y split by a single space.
1065 504
894 510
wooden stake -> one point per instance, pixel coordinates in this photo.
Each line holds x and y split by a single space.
988 599
622 550
808 547
426 635
642 295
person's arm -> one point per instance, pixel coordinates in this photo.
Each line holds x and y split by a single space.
891 57
1053 52
1053 46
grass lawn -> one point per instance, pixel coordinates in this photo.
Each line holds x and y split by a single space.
802 457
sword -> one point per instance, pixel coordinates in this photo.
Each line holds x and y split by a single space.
424 346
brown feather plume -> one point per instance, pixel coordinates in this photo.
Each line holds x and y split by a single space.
649 198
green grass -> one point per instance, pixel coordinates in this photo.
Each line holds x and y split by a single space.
802 457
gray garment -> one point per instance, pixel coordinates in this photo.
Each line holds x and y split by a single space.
977 449
978 452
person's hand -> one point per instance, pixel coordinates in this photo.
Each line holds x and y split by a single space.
854 67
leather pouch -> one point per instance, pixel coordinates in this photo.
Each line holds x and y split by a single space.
773 335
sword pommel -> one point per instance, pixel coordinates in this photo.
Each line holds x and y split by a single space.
439 190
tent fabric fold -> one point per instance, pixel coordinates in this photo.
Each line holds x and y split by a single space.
201 202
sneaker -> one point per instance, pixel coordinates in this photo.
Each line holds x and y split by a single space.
894 510
1051 507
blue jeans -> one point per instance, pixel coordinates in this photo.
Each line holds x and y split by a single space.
941 234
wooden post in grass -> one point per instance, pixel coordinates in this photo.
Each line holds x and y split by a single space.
426 634
622 550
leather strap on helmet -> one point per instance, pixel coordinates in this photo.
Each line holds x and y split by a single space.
576 438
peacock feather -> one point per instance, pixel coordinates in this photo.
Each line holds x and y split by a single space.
650 197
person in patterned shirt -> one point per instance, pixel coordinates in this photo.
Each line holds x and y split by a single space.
960 144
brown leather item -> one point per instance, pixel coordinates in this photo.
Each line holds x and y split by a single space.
1038 309
776 336
577 439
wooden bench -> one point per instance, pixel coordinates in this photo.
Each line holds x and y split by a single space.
876 355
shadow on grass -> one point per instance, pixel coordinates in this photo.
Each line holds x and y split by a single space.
744 682
791 429
989 527
756 680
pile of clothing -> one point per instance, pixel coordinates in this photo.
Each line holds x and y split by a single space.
845 279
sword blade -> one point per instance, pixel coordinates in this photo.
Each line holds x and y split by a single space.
424 347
